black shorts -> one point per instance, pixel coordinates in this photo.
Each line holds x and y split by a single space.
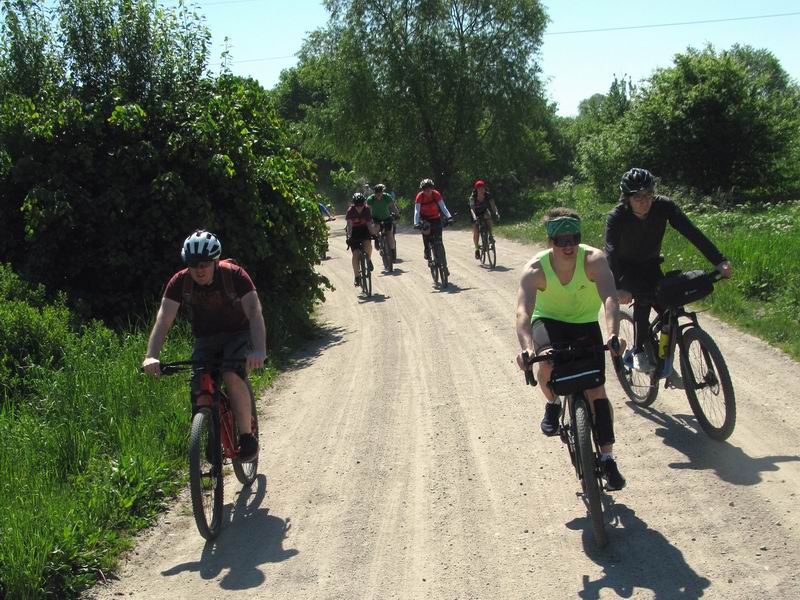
480 212
223 346
640 280
358 235
549 333
386 224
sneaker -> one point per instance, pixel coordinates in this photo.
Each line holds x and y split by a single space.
549 424
357 281
614 480
248 447
428 255
641 362
369 265
477 253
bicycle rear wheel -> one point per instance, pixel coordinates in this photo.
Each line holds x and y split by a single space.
246 472
205 474
641 388
488 253
386 254
708 384
585 456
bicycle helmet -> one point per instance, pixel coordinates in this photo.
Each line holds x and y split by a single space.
426 183
479 184
636 180
358 198
200 246
379 188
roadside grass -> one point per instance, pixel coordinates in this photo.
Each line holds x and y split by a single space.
762 243
90 456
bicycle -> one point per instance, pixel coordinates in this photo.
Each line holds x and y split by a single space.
213 441
488 252
386 252
365 275
437 262
703 372
572 374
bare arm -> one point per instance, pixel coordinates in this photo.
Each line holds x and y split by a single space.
164 319
598 271
532 280
258 330
494 208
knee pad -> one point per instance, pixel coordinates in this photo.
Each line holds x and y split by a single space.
603 422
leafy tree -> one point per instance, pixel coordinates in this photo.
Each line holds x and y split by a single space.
428 88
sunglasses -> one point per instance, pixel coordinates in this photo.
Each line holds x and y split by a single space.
563 241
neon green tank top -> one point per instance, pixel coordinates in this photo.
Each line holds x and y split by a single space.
576 302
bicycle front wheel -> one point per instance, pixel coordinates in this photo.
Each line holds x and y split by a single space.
640 387
205 474
386 255
587 465
441 260
488 253
366 276
708 384
246 472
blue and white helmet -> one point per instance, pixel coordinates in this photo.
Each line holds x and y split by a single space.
201 245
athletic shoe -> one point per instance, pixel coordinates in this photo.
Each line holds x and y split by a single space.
614 480
549 423
477 253
248 448
357 281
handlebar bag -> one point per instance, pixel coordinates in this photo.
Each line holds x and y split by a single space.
573 376
679 288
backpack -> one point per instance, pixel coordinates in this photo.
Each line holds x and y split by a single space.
225 268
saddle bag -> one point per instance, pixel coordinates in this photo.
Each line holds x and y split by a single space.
680 288
573 376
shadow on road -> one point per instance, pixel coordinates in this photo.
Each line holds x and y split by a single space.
250 537
637 557
376 298
729 462
325 336
496 269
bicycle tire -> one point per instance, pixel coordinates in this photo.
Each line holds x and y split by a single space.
205 474
246 472
641 388
488 253
589 482
366 276
386 254
441 261
717 425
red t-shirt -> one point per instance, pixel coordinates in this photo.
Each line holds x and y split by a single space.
212 311
429 208
358 219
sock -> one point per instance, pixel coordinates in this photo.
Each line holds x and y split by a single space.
607 456
556 401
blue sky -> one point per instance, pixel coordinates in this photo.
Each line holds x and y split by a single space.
264 36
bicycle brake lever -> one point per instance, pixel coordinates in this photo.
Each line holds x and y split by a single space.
530 379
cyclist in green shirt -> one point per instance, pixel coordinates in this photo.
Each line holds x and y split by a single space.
384 210
560 294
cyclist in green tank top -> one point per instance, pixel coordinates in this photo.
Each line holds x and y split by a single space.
560 294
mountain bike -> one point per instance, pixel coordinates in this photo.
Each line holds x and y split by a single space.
213 442
386 252
571 376
704 376
365 275
488 252
437 262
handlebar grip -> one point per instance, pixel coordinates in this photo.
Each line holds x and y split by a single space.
615 344
529 377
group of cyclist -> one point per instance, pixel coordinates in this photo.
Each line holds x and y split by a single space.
560 293
562 289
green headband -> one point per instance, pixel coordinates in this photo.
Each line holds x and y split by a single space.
563 225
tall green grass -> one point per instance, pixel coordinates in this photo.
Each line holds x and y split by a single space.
89 454
762 242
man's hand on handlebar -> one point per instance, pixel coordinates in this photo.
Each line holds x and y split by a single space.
151 366
255 360
725 269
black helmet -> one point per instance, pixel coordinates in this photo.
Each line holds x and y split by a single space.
358 198
426 183
636 180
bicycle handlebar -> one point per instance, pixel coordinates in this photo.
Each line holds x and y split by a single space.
179 366
570 351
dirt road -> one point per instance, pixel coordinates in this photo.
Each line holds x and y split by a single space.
404 460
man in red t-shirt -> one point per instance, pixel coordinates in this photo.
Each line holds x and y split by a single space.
227 323
429 207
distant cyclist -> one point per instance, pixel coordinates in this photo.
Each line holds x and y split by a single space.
429 206
384 211
227 323
360 229
479 204
560 294
634 231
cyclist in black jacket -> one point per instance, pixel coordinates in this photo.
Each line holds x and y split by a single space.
634 231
